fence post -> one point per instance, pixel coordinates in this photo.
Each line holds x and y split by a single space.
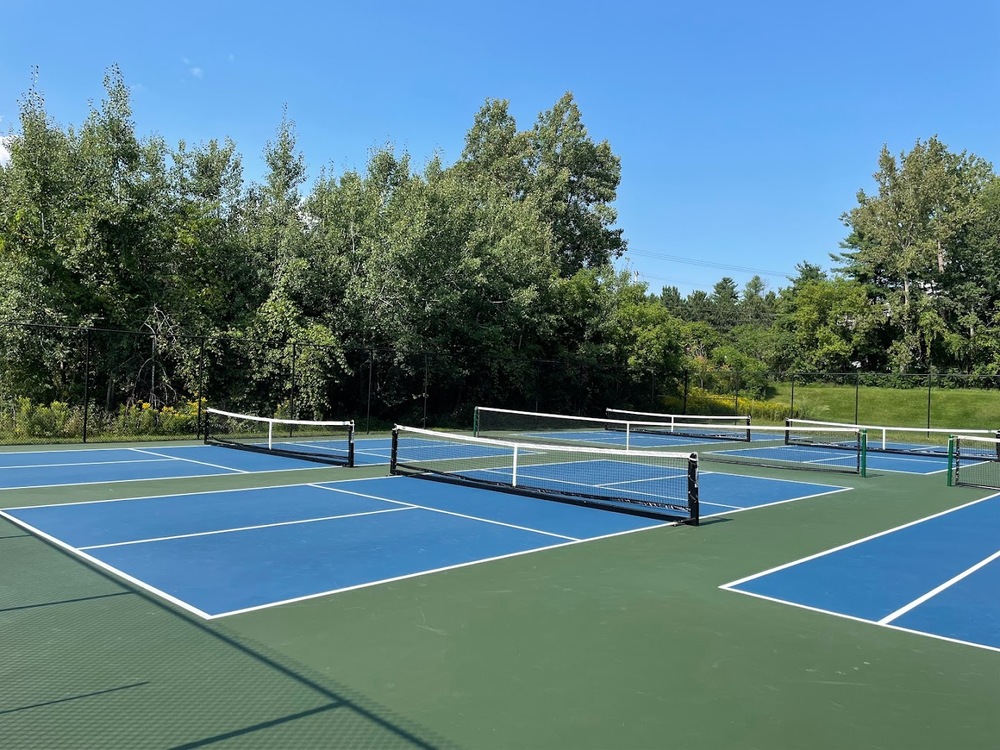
291 396
371 367
86 384
201 386
425 391
857 392
930 380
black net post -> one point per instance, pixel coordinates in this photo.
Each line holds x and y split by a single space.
694 507
395 450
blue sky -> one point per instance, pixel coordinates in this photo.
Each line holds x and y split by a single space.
744 129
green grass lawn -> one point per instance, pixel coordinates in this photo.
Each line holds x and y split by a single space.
896 407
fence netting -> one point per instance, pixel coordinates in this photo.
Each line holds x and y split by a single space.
63 384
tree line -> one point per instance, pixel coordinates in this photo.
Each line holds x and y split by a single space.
494 263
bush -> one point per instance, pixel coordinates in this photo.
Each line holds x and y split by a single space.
22 420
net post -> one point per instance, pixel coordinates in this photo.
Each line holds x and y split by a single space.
628 434
475 422
270 435
951 460
694 506
350 446
513 470
788 431
996 435
395 450
863 454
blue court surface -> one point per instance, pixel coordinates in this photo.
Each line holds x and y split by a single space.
98 465
938 577
225 552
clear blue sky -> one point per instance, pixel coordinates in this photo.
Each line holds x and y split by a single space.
744 129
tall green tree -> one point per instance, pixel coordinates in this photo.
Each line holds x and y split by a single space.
904 238
576 181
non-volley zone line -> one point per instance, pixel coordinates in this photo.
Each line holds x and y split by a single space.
936 577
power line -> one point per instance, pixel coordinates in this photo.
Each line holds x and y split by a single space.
710 264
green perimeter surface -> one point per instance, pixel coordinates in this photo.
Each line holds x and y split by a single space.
621 643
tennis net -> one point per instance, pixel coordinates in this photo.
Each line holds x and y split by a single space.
650 483
686 425
820 448
918 441
325 442
502 424
974 461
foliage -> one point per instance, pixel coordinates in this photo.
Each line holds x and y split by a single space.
490 278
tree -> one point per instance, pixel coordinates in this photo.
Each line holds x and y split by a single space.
575 181
904 239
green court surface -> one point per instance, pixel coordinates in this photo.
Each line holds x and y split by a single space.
625 642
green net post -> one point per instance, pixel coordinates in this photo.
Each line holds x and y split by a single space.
475 421
864 453
951 460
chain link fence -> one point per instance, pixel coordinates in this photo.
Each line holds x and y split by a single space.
63 384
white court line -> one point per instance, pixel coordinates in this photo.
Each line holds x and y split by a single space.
146 479
87 463
245 528
104 566
741 508
731 584
190 608
678 475
417 574
450 513
935 591
186 494
854 618
191 461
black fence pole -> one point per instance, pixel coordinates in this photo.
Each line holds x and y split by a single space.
930 380
291 396
425 391
201 386
857 393
371 367
86 384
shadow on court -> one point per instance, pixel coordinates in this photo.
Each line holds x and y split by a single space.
73 671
